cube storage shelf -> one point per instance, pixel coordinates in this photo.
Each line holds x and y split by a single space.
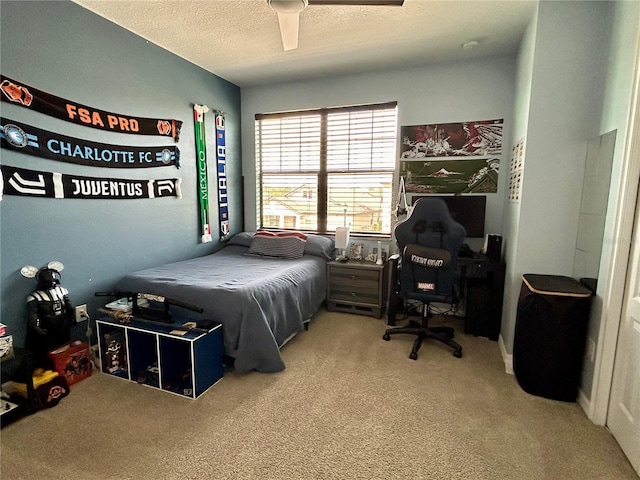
150 354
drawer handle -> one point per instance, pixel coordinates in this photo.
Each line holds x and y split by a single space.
353 294
351 277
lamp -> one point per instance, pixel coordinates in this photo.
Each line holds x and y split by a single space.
342 239
342 242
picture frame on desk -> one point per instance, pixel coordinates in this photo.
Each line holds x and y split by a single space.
356 251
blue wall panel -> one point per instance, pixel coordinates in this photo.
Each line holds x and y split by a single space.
65 50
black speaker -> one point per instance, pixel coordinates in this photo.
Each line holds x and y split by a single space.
494 247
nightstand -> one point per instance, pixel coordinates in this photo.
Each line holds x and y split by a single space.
356 287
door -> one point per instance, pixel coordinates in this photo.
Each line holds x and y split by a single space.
624 405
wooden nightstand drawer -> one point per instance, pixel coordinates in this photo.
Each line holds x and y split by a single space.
367 295
343 274
356 287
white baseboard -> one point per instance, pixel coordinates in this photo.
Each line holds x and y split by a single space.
584 402
507 358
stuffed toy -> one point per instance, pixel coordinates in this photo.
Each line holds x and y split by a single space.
50 313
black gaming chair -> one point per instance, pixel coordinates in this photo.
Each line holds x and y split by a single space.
429 241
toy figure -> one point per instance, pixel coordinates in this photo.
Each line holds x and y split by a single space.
113 356
49 310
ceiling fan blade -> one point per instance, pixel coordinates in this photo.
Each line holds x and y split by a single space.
289 23
387 3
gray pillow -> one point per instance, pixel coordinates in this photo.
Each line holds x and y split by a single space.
279 245
319 246
316 244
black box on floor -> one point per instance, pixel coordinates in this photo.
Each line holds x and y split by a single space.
550 335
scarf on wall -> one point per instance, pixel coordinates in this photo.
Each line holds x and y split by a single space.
32 183
29 97
34 141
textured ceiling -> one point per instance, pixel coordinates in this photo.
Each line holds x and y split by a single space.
239 40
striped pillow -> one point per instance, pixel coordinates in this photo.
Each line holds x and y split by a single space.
278 245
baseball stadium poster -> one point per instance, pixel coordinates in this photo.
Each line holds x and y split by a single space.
478 175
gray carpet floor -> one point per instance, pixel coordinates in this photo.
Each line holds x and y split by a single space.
348 406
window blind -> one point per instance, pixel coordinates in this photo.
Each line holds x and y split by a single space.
326 168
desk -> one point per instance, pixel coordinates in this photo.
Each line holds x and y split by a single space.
482 282
481 285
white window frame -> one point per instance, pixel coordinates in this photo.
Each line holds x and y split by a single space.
313 145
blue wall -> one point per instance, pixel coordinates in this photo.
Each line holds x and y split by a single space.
63 49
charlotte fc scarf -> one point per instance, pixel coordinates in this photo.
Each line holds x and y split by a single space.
203 179
43 102
41 143
221 156
20 181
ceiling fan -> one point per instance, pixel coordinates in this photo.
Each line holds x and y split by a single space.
289 14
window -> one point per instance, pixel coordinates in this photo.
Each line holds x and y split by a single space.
320 169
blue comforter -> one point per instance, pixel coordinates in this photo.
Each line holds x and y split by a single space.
261 302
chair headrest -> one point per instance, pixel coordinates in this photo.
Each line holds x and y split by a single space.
422 226
426 256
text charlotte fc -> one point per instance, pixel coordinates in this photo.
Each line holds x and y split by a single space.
92 153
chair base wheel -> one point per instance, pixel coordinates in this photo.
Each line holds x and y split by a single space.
457 354
386 337
413 356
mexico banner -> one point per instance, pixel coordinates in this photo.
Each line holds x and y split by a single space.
26 96
221 157
203 176
42 143
32 183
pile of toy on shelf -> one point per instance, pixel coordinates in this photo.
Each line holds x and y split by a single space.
51 358
6 354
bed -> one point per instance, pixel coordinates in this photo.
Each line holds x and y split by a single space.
262 300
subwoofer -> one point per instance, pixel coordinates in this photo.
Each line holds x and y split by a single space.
494 247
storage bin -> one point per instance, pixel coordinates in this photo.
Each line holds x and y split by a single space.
550 335
72 361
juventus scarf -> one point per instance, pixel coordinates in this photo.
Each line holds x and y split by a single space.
41 143
223 205
20 181
203 179
43 102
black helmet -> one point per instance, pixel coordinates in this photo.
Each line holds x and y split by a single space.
48 278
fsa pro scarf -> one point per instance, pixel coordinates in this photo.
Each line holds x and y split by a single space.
43 102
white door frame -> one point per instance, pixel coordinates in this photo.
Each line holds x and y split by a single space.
620 251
